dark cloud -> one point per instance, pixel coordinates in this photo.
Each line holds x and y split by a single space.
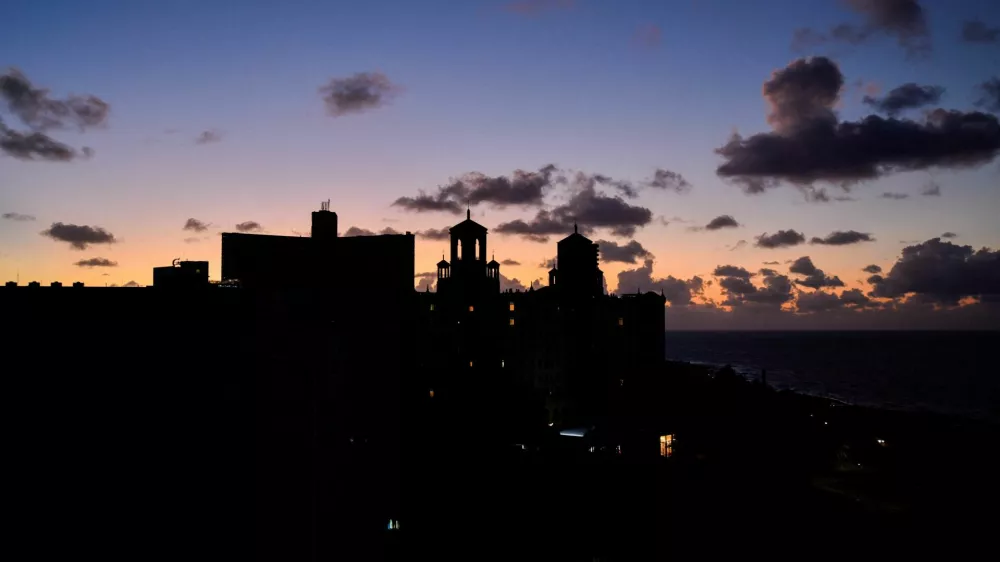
942 272
509 261
732 271
780 239
803 266
894 196
671 181
132 284
18 217
771 263
79 236
249 226
389 230
767 272
949 235
809 144
739 291
36 109
96 262
843 237
820 301
34 146
521 188
547 264
976 31
722 221
739 244
358 93
355 231
536 7
196 225
903 20
931 190
192 240
207 137
435 233
907 96
588 208
511 284
678 292
626 253
428 279
872 269
991 95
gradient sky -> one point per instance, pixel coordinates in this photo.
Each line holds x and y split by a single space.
618 88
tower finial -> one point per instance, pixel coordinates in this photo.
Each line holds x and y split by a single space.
468 211
575 231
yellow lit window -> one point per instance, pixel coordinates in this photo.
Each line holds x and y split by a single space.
621 321
470 363
432 308
472 308
667 445
511 321
431 393
512 307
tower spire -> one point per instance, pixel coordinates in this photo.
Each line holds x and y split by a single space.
575 231
468 211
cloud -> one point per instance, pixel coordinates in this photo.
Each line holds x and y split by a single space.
991 95
732 271
932 189
809 144
18 217
358 93
722 221
843 237
587 207
739 244
428 279
626 253
671 181
521 188
872 269
549 263
780 239
766 271
903 20
895 196
196 225
512 284
949 235
96 262
907 96
207 137
536 7
388 230
355 231
678 292
510 262
739 291
35 146
192 240
435 233
36 109
771 263
819 280
79 236
941 272
803 266
249 226
820 301
648 35
975 31
131 284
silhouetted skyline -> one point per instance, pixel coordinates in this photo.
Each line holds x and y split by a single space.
537 114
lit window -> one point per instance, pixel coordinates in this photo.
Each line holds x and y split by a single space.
621 321
472 308
432 308
667 445
511 321
432 393
470 363
501 363
512 307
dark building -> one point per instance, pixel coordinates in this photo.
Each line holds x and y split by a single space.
181 274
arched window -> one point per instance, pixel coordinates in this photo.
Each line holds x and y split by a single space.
478 251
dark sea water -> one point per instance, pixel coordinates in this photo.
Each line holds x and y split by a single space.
947 372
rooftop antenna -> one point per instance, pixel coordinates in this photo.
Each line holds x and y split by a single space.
324 205
575 231
468 210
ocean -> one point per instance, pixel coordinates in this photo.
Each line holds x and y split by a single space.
945 372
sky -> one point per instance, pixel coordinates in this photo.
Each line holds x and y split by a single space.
124 120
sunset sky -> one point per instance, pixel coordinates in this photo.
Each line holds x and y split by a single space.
229 112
